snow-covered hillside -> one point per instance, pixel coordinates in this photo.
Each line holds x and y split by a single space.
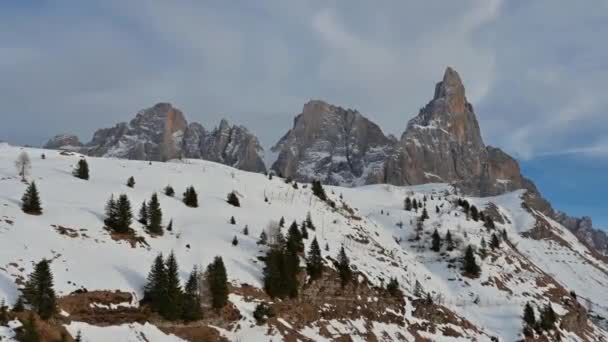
538 264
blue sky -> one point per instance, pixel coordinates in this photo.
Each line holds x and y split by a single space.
535 71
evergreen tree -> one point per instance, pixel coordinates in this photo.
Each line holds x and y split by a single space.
393 287
218 283
30 202
169 191
3 313
436 243
282 222
474 213
155 291
308 221
428 300
263 238
407 204
232 220
449 242
327 247
317 190
529 317
483 249
191 310
469 264
489 223
415 205
425 214
235 241
28 332
291 268
156 216
190 197
344 267
82 170
246 230
273 280
111 213
548 317
418 290
437 209
173 301
233 199
314 261
294 238
170 226
123 214
19 306
39 291
143 214
131 182
494 242
304 231
482 217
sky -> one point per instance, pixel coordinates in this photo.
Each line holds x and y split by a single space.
535 71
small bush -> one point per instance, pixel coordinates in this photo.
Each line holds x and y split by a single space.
262 313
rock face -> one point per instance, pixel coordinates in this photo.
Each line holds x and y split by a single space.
64 142
161 133
583 229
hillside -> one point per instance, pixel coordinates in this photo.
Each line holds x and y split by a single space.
539 261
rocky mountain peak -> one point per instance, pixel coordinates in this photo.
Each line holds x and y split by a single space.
64 142
452 89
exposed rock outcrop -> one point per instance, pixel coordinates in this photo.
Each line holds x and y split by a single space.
583 229
64 142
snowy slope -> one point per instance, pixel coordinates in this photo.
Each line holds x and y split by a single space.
377 247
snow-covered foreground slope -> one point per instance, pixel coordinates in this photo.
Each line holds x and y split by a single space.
85 256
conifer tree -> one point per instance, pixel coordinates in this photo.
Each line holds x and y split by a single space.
489 223
28 332
246 230
131 182
233 199
294 238
482 217
529 317
191 310
169 191
393 287
235 241
39 291
282 222
30 202
304 231
314 261
173 301
123 214
483 249
143 214
425 214
291 268
190 197
82 170
3 313
418 290
344 267
408 204
232 220
170 226
474 213
548 317
273 280
449 242
263 240
308 221
218 283
19 305
436 243
155 291
327 247
494 242
156 216
317 190
415 205
469 264
111 213
437 209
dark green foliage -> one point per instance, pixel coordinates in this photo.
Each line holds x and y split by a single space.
263 238
217 281
344 267
428 300
155 291
415 205
408 204
304 231
494 242
393 288
317 190
529 317
232 220
246 230
489 223
482 217
233 199
474 213
425 215
131 182
273 273
469 264
170 226
28 332
437 209
449 242
262 313
418 290
173 300
548 317
143 214
483 248
82 170
19 306
308 222
190 197
282 222
235 241
191 308
169 191
327 247
123 216
436 243
294 238
30 202
155 215
314 261
291 268
39 292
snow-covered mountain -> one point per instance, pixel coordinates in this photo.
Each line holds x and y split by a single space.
538 260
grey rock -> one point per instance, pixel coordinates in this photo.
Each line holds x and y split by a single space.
64 142
582 227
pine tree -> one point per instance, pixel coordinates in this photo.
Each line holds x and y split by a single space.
408 204
291 268
304 231
190 197
233 199
3 313
273 280
344 267
425 214
308 221
19 305
263 238
173 301
418 290
31 200
489 223
232 220
282 222
436 243
235 241
474 213
218 283
494 242
482 217
317 190
294 238
111 213
393 287
131 182
143 214
246 230
169 191
437 209
428 300
469 264
415 205
28 331
155 291
82 170
529 317
483 249
191 310
327 247
123 214
548 317
314 261
170 226
449 242
156 216
39 291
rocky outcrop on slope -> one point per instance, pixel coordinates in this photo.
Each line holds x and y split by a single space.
583 229
161 133
64 142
